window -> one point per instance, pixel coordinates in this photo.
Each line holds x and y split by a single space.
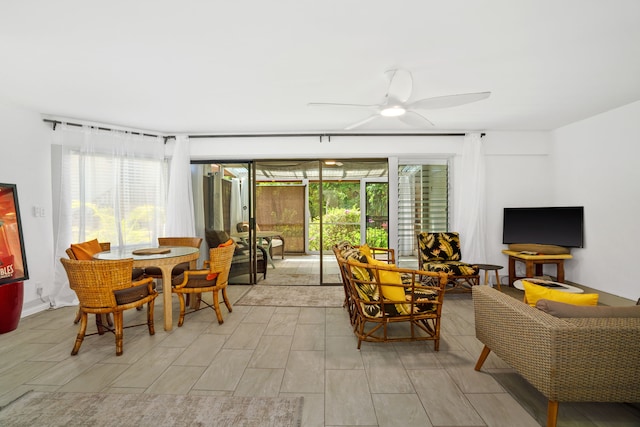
423 202
117 200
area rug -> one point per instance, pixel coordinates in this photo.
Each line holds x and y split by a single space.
294 296
101 409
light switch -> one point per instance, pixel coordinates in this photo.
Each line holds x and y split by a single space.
38 211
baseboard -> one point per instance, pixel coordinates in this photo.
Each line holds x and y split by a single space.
33 308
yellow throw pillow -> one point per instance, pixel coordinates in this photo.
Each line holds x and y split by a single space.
366 251
86 250
393 293
533 293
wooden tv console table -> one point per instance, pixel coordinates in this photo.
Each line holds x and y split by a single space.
533 264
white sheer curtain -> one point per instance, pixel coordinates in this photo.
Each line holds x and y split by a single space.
235 213
180 217
469 200
111 186
197 184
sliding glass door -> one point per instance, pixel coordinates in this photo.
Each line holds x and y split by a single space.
296 210
228 210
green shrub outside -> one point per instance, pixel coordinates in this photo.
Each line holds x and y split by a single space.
343 225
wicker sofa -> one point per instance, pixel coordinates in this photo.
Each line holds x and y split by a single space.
566 359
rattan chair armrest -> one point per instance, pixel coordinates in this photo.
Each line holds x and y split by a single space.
191 273
147 280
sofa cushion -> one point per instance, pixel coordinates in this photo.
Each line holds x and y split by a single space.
560 309
215 237
533 293
455 268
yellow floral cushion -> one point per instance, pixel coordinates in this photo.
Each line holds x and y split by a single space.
533 293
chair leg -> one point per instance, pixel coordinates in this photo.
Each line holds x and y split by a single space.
226 299
81 332
182 307
483 356
101 329
552 413
150 309
216 306
118 320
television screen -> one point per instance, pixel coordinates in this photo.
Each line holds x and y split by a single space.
561 226
13 262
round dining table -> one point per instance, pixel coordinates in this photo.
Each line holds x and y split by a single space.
165 258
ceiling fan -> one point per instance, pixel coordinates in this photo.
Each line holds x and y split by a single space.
395 102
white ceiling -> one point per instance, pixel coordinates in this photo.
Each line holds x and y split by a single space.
253 65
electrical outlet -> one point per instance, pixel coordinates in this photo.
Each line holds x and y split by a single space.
39 290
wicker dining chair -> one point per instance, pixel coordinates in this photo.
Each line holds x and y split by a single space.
74 253
105 287
193 242
214 279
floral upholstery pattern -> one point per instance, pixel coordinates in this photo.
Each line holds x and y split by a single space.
441 252
369 291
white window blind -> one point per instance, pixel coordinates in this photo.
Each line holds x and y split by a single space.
423 202
117 200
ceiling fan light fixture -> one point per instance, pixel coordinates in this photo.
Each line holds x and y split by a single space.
394 111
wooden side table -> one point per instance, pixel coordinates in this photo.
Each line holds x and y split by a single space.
487 268
534 263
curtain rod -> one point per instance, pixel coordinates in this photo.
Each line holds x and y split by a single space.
54 123
327 135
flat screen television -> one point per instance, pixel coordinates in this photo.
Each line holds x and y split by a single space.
560 226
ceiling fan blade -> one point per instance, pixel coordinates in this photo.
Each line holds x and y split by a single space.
332 104
362 122
415 119
448 101
400 86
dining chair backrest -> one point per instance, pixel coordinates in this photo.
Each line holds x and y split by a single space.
105 246
193 242
220 262
94 282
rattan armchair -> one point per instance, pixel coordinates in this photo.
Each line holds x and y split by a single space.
387 303
214 279
136 274
105 287
105 246
440 252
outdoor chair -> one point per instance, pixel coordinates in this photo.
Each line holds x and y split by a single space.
440 252
105 287
241 263
273 243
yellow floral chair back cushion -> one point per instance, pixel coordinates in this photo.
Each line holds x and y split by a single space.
441 252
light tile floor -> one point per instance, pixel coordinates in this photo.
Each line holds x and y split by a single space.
291 351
